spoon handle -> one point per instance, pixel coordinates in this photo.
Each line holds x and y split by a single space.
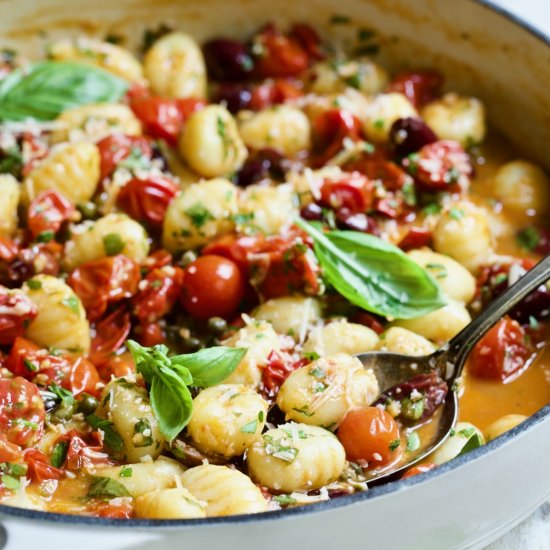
461 345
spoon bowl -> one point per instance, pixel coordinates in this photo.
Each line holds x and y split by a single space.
393 370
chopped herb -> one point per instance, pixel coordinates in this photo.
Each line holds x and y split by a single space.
222 132
199 214
29 365
59 454
11 162
412 410
125 472
65 396
107 488
142 433
394 445
379 123
113 244
439 268
242 219
157 283
533 323
409 194
17 470
280 449
500 278
284 500
72 303
250 427
111 436
413 442
467 432
318 372
528 238
431 209
456 213
45 237
10 482
261 416
33 284
339 19
311 356
304 410
354 81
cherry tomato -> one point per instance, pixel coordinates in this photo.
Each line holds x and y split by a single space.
8 451
158 293
39 467
277 371
419 469
213 286
17 311
502 352
8 249
369 434
116 366
416 237
146 200
101 282
419 87
309 40
354 191
116 509
21 411
150 334
329 131
80 453
47 212
83 377
110 334
279 55
163 118
115 148
273 92
235 248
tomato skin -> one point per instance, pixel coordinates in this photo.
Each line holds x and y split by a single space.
8 249
8 451
81 453
110 334
83 377
20 401
48 211
355 192
121 510
416 237
419 469
501 353
277 371
419 87
18 311
146 200
213 286
116 366
117 147
101 282
367 434
39 467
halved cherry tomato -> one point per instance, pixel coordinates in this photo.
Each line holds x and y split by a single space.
110 334
8 249
81 453
116 366
146 200
101 282
8 451
17 311
278 55
158 293
354 191
115 148
39 467
502 352
21 411
309 40
213 287
416 237
83 377
419 87
116 509
420 469
163 118
47 212
277 371
329 131
370 434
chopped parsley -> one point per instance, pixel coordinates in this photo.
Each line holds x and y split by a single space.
59 454
441 270
45 237
125 472
409 195
394 445
312 356
72 303
528 238
33 284
111 436
284 500
199 214
456 213
113 244
143 435
379 123
413 442
250 427
431 209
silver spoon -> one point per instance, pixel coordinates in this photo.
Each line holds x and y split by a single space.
448 362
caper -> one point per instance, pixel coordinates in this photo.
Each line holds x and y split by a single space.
87 404
89 210
412 410
191 344
65 411
188 258
217 325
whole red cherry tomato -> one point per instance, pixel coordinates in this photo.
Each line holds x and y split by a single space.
502 352
146 200
47 212
21 411
370 434
419 87
17 311
213 286
117 147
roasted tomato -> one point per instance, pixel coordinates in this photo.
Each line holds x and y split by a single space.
416 470
330 129
309 40
370 435
83 453
8 451
416 237
146 200
8 249
110 334
121 508
21 411
17 311
501 353
277 55
83 377
419 87
117 147
213 287
99 283
276 371
164 118
46 214
116 366
39 467
354 192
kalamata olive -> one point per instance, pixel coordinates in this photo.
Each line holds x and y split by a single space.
263 164
312 212
408 135
356 221
418 398
227 59
235 96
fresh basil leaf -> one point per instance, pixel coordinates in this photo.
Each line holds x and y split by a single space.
105 487
147 360
111 436
210 366
59 454
48 88
374 274
171 402
474 442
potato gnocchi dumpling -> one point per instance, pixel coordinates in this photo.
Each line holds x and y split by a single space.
225 491
72 170
10 191
174 503
227 419
296 457
503 425
404 341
